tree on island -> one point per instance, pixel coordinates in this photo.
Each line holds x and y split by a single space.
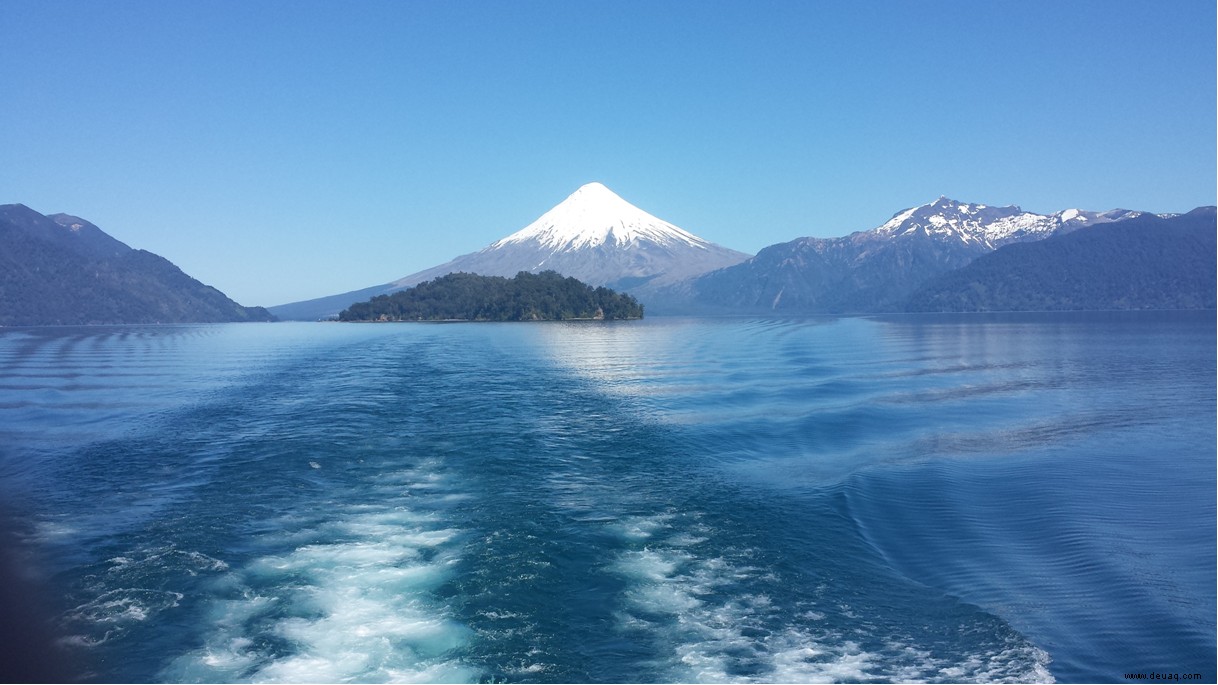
546 296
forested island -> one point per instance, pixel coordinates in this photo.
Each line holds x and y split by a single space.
546 296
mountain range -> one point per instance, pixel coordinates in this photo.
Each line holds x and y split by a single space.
945 255
598 237
874 270
62 270
1143 262
593 235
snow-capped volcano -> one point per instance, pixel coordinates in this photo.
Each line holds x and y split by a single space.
594 215
593 235
597 237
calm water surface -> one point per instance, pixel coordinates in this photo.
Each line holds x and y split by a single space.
921 498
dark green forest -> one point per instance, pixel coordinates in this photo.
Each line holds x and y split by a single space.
546 296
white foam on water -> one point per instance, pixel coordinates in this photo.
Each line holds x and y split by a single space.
165 557
112 613
684 540
711 635
54 531
798 657
1002 667
355 602
124 605
651 565
642 527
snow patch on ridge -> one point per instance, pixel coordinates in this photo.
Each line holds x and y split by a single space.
992 227
970 223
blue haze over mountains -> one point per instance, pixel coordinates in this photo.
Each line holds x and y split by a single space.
942 256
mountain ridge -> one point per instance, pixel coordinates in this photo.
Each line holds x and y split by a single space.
1144 262
599 238
63 270
874 270
992 226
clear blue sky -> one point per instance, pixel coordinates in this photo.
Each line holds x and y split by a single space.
291 149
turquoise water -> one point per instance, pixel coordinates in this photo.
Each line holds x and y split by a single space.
921 498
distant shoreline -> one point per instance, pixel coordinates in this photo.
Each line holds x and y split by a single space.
631 318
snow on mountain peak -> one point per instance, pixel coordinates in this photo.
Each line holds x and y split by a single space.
969 222
594 215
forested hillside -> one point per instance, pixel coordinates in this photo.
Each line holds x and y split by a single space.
547 296
1143 263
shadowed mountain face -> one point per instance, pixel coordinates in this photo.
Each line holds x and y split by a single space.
870 271
63 270
594 236
1147 262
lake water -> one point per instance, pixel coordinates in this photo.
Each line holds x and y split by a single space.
916 498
